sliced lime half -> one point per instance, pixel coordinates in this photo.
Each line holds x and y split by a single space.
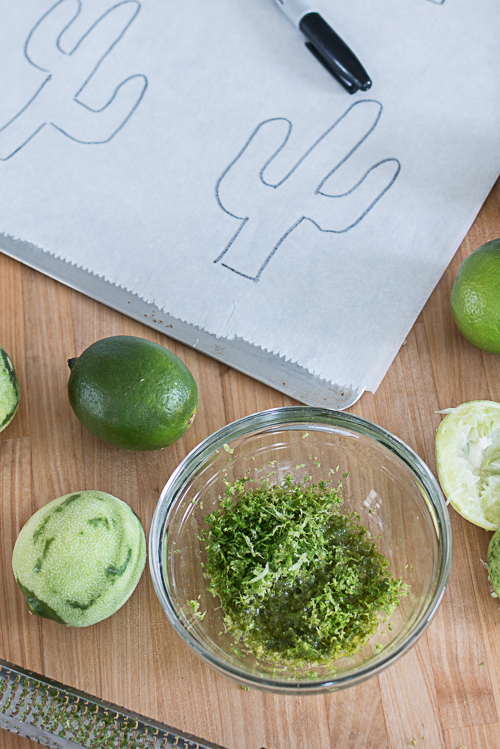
468 461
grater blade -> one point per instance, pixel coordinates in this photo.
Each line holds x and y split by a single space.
61 717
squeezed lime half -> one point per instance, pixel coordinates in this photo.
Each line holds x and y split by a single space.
468 461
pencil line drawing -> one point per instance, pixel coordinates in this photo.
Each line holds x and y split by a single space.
57 102
269 212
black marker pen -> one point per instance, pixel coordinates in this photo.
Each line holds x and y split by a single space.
326 45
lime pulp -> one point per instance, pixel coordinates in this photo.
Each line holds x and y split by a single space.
468 461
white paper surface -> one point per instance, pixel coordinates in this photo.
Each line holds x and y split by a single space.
197 154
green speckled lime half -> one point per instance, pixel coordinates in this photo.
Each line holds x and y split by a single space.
494 562
9 390
79 558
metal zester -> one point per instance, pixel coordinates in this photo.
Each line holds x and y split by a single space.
60 717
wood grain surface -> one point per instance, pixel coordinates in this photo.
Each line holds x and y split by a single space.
444 694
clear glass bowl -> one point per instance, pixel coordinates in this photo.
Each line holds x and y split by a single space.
389 486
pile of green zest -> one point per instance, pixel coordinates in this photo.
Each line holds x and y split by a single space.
299 582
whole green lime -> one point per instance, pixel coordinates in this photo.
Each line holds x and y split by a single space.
132 393
475 297
9 390
79 558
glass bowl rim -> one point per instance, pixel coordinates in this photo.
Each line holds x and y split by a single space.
315 418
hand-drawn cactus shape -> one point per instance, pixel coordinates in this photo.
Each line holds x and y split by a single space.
269 212
57 101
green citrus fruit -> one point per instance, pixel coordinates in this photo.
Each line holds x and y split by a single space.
132 393
468 461
79 558
475 297
9 390
493 560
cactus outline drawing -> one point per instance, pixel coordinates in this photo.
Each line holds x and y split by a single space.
275 218
56 102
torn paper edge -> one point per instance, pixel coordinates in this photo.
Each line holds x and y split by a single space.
276 371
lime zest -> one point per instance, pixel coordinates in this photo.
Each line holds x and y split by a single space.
299 581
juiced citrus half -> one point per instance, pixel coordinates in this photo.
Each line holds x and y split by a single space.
468 461
79 558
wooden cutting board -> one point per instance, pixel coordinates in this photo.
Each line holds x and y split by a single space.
444 693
